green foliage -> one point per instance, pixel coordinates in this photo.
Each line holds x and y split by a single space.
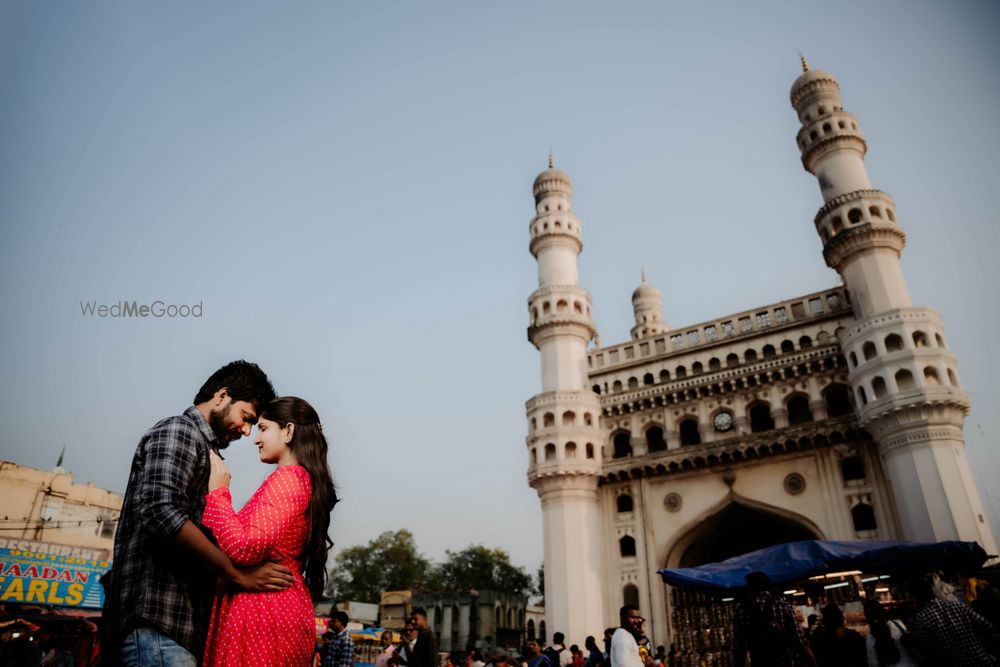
480 568
390 562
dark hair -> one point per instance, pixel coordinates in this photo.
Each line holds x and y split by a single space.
310 449
419 611
885 648
833 617
590 643
341 616
558 638
242 380
757 582
627 608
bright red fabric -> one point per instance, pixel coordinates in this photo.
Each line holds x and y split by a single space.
266 629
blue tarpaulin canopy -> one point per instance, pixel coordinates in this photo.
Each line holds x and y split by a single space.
800 560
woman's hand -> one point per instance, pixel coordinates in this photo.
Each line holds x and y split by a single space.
219 475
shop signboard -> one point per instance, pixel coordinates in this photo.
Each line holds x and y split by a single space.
52 574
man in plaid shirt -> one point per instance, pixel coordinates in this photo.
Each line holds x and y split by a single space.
158 595
340 651
950 633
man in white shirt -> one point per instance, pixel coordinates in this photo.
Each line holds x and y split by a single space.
625 641
559 649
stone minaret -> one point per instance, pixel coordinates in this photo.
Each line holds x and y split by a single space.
564 440
903 375
648 306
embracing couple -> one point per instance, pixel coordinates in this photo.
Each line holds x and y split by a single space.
194 581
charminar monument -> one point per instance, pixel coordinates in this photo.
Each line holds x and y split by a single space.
835 415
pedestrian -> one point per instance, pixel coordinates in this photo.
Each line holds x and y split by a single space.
625 640
578 659
535 656
835 645
384 658
946 632
339 651
883 641
423 652
765 627
608 633
557 653
158 594
594 656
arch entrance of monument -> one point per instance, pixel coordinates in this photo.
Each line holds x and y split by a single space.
701 621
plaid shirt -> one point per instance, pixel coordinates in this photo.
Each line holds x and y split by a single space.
154 582
340 651
953 632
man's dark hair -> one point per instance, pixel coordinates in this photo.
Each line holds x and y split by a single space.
627 608
419 611
833 617
757 582
341 616
243 381
558 638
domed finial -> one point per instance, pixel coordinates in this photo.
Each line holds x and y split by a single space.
805 65
552 162
643 275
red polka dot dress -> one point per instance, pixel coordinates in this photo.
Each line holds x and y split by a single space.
266 629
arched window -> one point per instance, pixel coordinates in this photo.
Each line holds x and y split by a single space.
904 380
864 517
853 357
681 372
798 409
893 343
622 444
569 418
546 308
919 339
597 389
630 595
648 378
664 375
868 350
732 361
689 432
952 380
838 400
548 419
862 397
531 629
714 364
590 450
617 386
769 352
624 503
939 339
571 450
561 306
787 346
805 342
852 469
550 452
534 456
697 368
874 212
931 376
534 424
750 356
577 307
626 546
760 418
654 439
542 637
878 386
587 419
633 383
837 224
854 215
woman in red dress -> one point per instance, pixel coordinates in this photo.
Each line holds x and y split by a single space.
287 519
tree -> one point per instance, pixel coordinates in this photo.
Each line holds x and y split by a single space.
478 567
390 562
540 587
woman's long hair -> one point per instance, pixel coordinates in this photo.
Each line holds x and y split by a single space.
309 447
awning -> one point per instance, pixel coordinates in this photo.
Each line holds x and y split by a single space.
796 561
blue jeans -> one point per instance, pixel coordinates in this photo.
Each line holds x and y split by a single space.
145 647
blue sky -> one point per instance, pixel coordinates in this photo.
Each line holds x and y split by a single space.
346 189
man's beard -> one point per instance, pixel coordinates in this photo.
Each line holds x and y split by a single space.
217 422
